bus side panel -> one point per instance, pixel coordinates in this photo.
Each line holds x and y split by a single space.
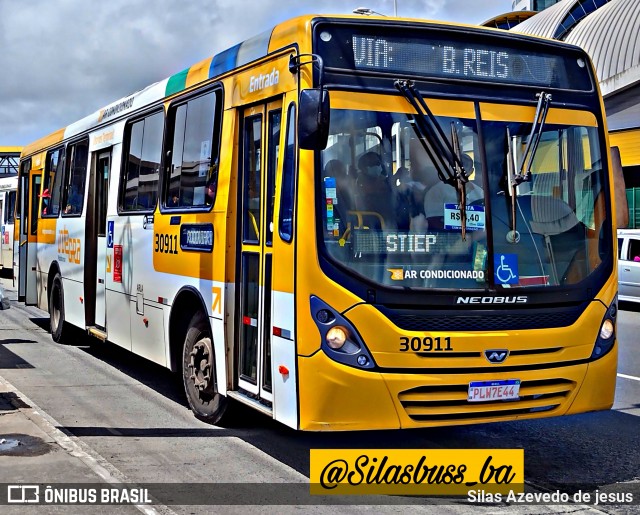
218 312
283 353
118 310
119 283
139 278
47 254
118 323
69 251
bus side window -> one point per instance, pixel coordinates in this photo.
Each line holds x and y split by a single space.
52 184
11 207
35 196
141 164
73 195
252 178
193 128
272 164
288 179
25 168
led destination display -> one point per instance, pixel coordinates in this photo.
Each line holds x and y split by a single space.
410 54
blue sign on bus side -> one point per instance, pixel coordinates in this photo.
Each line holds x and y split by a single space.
110 235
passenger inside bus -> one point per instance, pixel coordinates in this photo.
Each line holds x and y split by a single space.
174 200
75 200
45 200
409 199
374 192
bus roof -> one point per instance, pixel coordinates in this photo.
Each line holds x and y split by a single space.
230 59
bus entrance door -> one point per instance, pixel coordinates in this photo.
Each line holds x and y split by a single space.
23 238
29 236
97 230
260 138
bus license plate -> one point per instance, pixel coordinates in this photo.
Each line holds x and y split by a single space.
484 391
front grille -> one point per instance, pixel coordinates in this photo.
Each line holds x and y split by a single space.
478 354
485 320
449 402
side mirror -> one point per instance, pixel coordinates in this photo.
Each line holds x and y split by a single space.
619 190
313 119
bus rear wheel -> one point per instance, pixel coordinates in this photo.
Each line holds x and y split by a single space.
199 374
58 325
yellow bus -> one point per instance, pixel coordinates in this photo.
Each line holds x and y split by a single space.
346 224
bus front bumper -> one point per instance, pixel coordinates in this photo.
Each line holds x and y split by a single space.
335 397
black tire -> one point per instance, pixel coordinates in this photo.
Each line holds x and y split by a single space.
198 372
58 326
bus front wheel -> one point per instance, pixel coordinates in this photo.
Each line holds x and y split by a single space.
58 325
199 374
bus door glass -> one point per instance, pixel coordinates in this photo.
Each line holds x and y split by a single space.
30 270
23 237
96 264
23 210
260 139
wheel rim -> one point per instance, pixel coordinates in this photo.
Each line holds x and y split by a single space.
201 368
55 310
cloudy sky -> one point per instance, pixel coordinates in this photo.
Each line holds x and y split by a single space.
61 60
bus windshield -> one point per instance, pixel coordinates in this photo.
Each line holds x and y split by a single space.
390 215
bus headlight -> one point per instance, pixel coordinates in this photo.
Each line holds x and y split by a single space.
339 339
336 336
606 336
606 331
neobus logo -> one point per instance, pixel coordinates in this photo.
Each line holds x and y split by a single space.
70 247
264 81
492 300
496 355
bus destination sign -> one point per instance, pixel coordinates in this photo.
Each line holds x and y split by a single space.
455 56
455 59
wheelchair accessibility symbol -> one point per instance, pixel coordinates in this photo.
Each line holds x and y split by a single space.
110 225
506 267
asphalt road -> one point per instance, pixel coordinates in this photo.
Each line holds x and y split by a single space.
133 413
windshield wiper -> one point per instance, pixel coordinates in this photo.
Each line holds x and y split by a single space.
461 185
512 235
446 159
524 170
542 109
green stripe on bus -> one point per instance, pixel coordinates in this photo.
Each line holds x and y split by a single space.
176 82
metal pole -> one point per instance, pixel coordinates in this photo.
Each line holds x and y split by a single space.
395 8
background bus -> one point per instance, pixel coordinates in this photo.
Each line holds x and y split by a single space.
344 223
8 184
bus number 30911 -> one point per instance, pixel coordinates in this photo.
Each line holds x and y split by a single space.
166 243
425 344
